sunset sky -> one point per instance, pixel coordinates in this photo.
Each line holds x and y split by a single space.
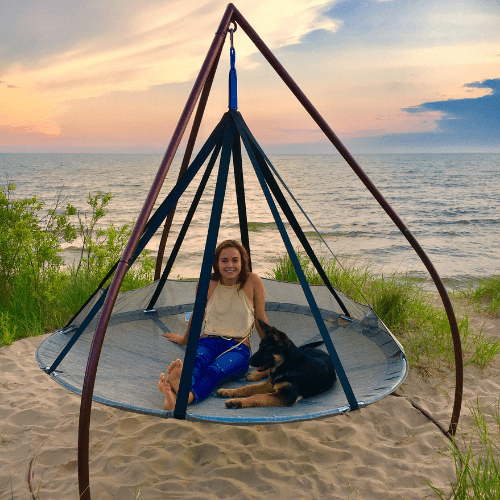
392 75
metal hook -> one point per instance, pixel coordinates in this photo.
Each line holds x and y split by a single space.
231 31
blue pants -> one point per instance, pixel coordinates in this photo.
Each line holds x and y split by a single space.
210 371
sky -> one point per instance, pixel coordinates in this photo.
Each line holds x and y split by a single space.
388 76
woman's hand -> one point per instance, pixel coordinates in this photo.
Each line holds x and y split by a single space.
176 338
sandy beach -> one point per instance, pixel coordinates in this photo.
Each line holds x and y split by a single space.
386 450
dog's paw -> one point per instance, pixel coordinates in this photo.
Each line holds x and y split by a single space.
224 393
254 376
233 403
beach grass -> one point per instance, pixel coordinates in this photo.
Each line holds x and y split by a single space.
477 461
486 295
406 308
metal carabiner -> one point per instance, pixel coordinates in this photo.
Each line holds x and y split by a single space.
231 31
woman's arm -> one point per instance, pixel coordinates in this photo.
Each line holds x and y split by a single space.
182 339
179 339
259 303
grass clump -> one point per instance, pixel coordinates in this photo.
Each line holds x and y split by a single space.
406 309
487 294
40 293
478 467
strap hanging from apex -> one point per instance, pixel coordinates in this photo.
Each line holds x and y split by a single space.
233 89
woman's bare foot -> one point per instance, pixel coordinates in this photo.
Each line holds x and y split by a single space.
162 383
170 397
174 372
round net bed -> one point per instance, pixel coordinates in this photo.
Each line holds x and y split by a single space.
135 352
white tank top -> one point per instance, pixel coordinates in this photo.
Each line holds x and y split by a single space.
229 313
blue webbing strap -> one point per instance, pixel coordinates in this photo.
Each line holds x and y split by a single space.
346 386
240 196
185 226
153 224
79 331
204 282
179 188
233 83
285 207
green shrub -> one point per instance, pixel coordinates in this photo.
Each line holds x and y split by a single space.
39 293
402 305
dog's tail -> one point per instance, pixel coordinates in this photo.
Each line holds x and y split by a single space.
312 344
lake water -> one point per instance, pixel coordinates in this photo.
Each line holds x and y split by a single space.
450 202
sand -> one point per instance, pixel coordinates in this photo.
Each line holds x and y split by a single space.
386 450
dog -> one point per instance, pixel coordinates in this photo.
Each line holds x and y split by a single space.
294 373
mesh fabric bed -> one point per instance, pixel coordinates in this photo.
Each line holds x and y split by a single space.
135 352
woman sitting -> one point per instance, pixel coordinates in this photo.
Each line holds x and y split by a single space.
236 299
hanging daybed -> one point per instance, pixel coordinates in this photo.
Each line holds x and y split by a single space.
122 369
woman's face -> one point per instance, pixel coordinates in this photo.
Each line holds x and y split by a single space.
229 265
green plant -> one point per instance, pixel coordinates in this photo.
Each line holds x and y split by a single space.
90 254
478 468
29 244
488 292
7 329
39 293
402 305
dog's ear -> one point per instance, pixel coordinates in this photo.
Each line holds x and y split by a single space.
281 338
265 327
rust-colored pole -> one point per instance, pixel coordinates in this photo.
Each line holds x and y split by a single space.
95 350
187 157
266 52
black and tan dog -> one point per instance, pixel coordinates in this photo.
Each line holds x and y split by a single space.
294 373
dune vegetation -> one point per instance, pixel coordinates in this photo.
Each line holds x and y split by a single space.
408 310
39 293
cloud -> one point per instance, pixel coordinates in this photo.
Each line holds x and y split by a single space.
64 61
468 124
65 50
53 40
472 119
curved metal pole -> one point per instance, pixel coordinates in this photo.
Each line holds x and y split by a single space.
95 350
265 51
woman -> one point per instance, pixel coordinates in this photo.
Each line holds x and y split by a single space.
236 299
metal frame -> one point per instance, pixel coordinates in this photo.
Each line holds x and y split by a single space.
202 86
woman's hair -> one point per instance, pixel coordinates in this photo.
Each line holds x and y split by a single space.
245 261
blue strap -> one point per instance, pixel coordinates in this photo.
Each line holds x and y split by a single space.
285 207
233 83
204 282
164 209
240 196
185 226
90 316
254 158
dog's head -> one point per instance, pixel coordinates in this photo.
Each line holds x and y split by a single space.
271 348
